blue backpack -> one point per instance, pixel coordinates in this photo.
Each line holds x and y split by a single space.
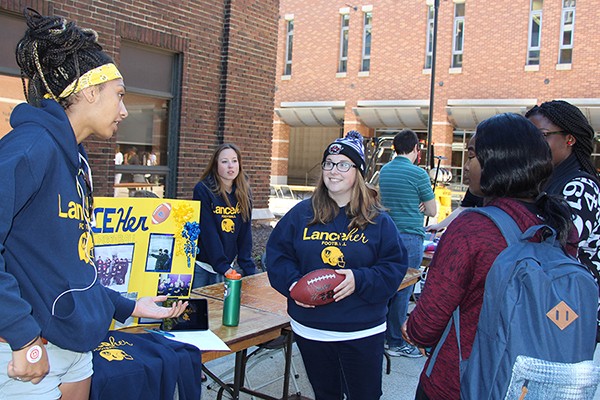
538 302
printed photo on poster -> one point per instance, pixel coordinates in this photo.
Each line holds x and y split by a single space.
176 285
160 252
113 263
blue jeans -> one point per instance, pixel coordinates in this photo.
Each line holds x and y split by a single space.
398 305
204 278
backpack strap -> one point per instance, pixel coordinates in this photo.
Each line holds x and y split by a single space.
512 233
454 320
505 223
509 228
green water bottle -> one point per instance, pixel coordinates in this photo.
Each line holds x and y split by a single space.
231 298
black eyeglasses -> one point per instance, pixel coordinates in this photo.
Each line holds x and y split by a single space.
548 133
342 166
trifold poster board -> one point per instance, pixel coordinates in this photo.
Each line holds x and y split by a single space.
146 246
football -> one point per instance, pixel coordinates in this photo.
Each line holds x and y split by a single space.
161 213
316 287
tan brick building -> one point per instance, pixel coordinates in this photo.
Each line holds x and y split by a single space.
366 66
197 73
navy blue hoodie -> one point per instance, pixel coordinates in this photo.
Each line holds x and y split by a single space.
224 235
375 255
48 283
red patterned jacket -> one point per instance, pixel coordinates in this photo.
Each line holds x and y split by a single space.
457 276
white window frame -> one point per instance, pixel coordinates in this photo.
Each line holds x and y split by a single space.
367 29
458 46
429 40
289 45
532 60
568 7
344 39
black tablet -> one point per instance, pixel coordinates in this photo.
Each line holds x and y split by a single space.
194 318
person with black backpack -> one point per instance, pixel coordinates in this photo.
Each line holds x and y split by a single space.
508 163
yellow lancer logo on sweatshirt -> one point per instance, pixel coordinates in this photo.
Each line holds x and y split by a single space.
70 210
75 211
110 350
227 211
333 256
86 247
227 225
335 238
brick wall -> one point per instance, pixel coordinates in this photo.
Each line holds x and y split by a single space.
495 54
236 107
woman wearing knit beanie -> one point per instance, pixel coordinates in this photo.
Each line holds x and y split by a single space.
343 227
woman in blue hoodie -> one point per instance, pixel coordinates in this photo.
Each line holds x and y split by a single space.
225 217
54 309
343 226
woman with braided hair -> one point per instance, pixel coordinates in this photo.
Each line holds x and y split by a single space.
571 140
54 309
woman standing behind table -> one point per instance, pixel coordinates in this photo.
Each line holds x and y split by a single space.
508 162
225 218
342 226
571 140
54 310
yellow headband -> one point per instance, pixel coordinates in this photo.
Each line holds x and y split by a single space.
96 76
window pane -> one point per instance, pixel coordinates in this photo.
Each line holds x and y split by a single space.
534 57
566 56
345 20
568 18
458 44
567 38
142 138
536 5
12 94
344 43
535 31
146 67
429 46
366 65
457 61
289 48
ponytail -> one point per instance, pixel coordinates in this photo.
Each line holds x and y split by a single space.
557 214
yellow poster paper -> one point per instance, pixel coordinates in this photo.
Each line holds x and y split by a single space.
146 246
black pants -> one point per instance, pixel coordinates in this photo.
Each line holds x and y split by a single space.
353 367
420 395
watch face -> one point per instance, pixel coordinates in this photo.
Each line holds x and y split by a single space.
194 318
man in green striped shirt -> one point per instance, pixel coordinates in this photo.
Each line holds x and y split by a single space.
406 191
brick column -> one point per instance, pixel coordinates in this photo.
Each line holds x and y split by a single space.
280 152
351 122
442 135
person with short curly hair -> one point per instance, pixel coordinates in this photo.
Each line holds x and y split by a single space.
54 309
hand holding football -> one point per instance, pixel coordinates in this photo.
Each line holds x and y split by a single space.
316 287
